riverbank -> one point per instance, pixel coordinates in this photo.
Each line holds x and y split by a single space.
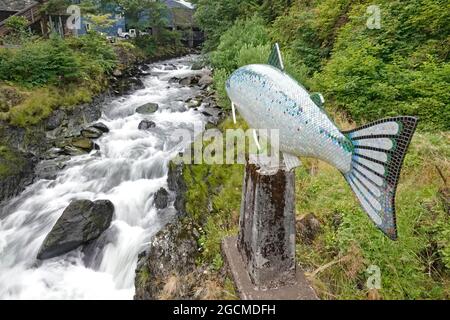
129 170
35 120
336 242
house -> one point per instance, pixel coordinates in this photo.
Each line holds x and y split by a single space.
11 7
25 8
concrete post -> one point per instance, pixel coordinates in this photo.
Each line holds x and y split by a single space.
261 259
266 238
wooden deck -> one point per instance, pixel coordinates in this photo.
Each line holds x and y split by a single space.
31 13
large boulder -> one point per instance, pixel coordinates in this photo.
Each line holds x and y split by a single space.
101 126
173 251
148 108
161 199
81 222
146 124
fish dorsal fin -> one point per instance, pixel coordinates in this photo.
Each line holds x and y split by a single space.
318 99
275 58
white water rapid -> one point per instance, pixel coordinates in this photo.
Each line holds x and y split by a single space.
130 167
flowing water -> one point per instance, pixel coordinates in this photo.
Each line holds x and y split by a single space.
130 167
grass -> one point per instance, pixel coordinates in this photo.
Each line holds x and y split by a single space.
39 103
417 266
10 162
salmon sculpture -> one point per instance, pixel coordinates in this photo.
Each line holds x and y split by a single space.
370 157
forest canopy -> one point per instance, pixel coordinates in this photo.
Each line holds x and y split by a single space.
398 65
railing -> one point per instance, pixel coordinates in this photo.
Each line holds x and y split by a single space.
31 13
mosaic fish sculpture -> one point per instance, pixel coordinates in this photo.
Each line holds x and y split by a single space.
370 157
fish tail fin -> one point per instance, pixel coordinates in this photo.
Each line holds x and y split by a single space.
379 149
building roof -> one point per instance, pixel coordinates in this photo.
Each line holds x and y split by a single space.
182 4
15 5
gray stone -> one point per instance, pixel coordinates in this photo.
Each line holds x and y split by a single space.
198 65
48 169
101 126
308 227
117 73
81 222
161 198
189 80
73 151
194 103
91 133
172 251
170 67
146 124
82 143
176 183
205 81
55 120
148 108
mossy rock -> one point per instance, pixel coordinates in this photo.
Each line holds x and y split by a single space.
83 143
148 108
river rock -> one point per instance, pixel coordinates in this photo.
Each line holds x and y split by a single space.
83 143
101 126
73 151
205 81
136 84
177 184
189 80
117 73
172 251
194 103
146 124
20 175
81 222
213 114
148 108
170 67
55 120
161 198
198 65
91 133
48 169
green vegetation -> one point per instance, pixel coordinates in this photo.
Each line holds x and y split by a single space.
11 162
401 68
54 73
417 266
365 74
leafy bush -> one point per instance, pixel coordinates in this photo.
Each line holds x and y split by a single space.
39 63
95 49
244 33
18 33
399 69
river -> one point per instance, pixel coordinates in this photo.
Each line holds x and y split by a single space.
129 168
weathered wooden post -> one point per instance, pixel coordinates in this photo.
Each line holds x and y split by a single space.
262 258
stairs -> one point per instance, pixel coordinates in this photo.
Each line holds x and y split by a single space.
31 13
